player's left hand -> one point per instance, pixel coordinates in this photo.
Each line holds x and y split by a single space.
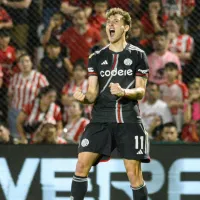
116 89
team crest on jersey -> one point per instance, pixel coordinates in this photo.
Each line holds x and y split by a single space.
85 142
128 61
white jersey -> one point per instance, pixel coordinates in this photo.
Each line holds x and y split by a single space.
150 111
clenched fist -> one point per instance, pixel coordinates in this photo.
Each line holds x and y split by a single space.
116 89
78 95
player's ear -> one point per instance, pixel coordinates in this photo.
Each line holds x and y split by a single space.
126 28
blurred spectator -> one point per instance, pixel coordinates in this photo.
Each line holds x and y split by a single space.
154 19
18 10
18 53
136 37
23 89
180 43
178 7
169 133
5 19
33 114
79 81
55 66
47 134
55 28
80 38
3 99
99 17
76 123
160 57
7 55
104 40
192 110
174 93
49 8
154 111
191 132
5 137
69 7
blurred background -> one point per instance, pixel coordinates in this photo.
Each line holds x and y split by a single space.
44 50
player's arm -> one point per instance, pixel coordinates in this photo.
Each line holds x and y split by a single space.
136 93
92 92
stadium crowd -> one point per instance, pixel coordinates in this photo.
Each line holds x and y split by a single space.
44 50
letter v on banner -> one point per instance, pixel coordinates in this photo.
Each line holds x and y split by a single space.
20 190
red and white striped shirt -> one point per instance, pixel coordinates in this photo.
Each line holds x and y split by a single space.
71 87
182 44
36 115
73 131
25 89
69 90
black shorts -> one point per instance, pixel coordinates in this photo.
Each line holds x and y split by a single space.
130 139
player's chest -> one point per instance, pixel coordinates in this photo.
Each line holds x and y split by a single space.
116 65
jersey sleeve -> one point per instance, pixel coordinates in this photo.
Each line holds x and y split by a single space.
92 69
142 68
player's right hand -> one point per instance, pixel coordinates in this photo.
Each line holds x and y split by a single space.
78 95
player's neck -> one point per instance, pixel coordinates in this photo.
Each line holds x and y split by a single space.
118 46
152 101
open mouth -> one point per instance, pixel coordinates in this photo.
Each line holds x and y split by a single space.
112 32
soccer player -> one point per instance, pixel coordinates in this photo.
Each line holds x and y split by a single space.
117 80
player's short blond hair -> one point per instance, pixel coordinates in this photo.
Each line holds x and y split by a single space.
126 16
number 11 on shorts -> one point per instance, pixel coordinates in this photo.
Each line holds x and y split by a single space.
137 142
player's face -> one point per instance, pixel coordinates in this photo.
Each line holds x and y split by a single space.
170 134
160 43
25 64
49 98
115 28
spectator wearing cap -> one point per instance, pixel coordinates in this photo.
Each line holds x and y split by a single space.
5 19
78 81
76 123
47 133
23 89
174 93
55 66
3 99
80 31
36 112
18 10
7 55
